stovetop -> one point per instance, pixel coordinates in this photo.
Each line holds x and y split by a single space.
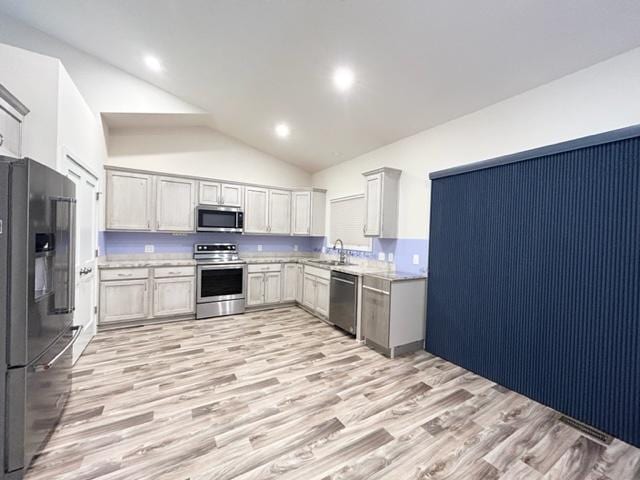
216 253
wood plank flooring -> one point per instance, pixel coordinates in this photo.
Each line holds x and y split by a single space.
281 395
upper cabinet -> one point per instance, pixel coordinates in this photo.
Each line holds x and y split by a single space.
381 202
279 212
308 212
12 113
267 211
215 193
129 202
256 210
149 201
175 204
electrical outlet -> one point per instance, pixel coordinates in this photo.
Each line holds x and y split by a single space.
381 256
149 249
390 257
295 248
259 248
416 259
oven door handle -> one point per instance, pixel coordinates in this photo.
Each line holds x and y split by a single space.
228 266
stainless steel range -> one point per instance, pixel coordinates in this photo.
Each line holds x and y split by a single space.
222 280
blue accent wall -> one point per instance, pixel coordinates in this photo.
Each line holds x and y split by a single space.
534 278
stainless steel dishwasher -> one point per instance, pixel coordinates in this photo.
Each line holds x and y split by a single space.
343 301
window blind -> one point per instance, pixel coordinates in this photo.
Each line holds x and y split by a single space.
347 222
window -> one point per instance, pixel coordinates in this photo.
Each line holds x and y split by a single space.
347 223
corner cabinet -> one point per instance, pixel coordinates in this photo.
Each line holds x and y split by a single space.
381 202
308 212
129 202
175 203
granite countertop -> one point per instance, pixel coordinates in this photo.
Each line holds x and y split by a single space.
107 263
395 276
353 269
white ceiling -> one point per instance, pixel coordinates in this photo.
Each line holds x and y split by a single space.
419 63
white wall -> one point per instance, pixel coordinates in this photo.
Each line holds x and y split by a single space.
199 151
104 87
603 97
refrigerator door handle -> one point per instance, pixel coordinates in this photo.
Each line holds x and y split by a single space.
46 366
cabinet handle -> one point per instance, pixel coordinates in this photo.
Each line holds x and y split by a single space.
148 224
158 225
1 139
364 229
125 274
376 290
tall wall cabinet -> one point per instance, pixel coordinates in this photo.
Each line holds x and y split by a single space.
381 202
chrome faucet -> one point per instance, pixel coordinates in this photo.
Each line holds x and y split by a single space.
343 255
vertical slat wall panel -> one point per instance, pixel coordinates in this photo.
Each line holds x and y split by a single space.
534 280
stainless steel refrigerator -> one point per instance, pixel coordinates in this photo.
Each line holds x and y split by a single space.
37 253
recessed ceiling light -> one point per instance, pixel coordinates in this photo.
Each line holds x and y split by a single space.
343 78
153 63
282 130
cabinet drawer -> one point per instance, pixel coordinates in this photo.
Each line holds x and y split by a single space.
124 274
377 283
318 272
162 272
262 267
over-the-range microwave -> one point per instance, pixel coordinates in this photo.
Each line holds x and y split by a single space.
219 219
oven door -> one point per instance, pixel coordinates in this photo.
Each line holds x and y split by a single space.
221 282
219 219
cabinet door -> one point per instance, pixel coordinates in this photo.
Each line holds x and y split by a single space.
231 195
10 134
124 300
279 212
175 204
309 292
299 283
174 296
375 316
322 297
290 282
373 204
301 215
255 289
208 193
273 287
256 210
129 201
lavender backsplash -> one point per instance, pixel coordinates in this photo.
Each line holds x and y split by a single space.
403 249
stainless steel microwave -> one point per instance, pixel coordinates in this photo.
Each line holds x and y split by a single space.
219 219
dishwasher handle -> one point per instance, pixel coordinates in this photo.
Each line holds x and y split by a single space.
338 279
376 290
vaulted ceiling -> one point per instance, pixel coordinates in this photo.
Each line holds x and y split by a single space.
418 63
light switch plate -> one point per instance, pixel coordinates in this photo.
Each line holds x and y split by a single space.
390 257
259 248
416 259
381 256
149 249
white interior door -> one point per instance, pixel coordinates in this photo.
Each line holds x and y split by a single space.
86 244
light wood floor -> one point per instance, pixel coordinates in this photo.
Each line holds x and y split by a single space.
281 395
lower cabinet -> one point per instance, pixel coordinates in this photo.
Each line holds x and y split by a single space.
129 294
173 296
264 284
124 300
316 287
290 282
